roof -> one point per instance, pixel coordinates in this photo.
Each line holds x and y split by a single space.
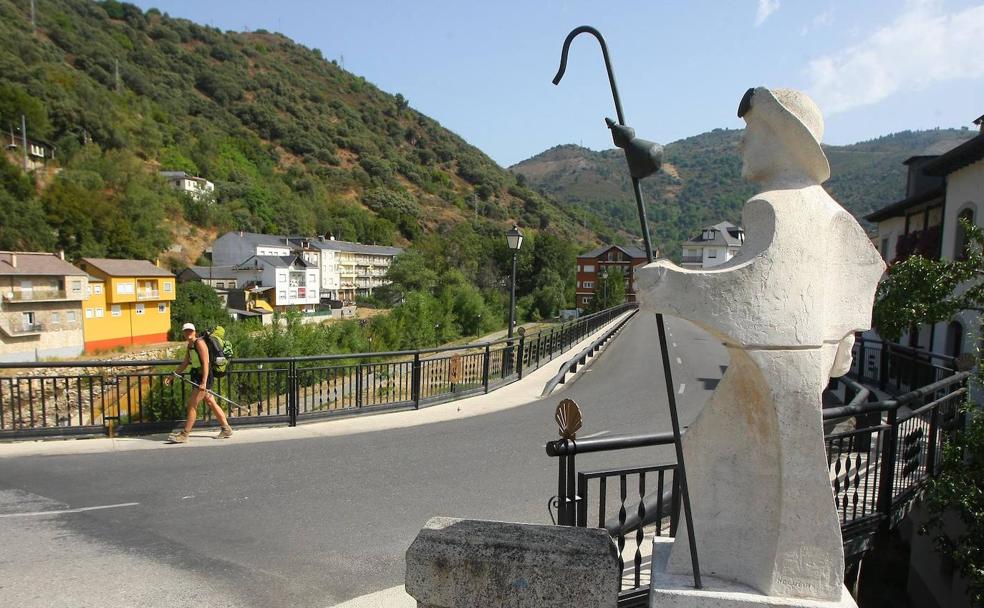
277 261
899 208
258 239
965 154
725 235
36 263
126 268
180 175
937 149
212 272
332 245
629 250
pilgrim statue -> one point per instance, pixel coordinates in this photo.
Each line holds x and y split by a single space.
786 308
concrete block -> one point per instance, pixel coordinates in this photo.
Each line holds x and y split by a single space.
460 563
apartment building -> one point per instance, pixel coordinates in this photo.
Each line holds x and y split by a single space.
944 184
128 302
357 268
40 306
713 246
608 258
285 282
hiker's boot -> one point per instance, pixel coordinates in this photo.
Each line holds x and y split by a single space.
178 437
225 433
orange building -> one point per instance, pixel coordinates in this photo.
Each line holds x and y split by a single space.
127 302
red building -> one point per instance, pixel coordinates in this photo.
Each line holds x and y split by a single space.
611 258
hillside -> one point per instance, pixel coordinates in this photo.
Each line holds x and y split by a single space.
701 182
293 143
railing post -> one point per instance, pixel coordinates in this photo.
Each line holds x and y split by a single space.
581 509
358 385
934 424
886 486
292 393
519 357
485 367
415 380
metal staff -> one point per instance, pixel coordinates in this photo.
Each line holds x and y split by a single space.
644 158
209 391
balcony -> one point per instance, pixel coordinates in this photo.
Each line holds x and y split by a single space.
21 330
926 243
149 295
692 259
37 295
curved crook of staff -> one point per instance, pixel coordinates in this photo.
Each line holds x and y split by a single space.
587 29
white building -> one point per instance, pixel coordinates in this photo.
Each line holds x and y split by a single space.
198 187
714 245
289 282
945 183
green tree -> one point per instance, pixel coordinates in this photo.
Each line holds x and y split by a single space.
198 303
919 290
609 292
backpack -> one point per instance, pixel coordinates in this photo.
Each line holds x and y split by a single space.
219 351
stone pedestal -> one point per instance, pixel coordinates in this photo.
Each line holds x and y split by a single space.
677 590
460 563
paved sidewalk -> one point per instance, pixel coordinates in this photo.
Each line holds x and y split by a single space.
512 395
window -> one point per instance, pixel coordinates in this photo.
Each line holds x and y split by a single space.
27 320
954 338
70 317
97 288
579 284
124 288
167 286
140 309
99 313
76 286
162 308
589 268
116 311
712 253
55 318
88 313
588 284
88 290
579 268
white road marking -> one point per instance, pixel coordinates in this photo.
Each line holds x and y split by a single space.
682 387
679 361
63 511
598 434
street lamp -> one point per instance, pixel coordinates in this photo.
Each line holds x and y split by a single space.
604 281
515 239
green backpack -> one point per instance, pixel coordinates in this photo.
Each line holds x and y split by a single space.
220 351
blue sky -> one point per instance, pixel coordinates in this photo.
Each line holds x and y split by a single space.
483 69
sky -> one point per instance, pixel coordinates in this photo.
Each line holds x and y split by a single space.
484 68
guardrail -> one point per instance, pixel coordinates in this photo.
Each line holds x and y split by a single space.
84 397
582 358
877 466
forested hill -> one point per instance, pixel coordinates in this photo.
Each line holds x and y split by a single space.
701 182
293 143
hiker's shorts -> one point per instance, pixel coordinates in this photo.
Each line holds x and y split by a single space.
196 377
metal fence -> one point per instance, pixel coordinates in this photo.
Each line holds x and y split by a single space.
94 397
879 455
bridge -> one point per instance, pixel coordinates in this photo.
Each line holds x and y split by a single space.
323 512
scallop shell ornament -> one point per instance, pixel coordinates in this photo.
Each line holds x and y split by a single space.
568 417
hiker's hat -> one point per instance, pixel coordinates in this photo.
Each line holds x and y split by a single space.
188 326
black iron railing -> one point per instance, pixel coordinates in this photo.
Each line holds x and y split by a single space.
89 397
879 455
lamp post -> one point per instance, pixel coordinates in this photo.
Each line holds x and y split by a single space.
604 281
515 239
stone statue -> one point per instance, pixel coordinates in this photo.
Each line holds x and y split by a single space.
786 307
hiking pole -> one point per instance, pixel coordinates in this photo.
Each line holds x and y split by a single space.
644 158
210 391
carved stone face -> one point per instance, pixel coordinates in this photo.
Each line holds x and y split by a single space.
758 149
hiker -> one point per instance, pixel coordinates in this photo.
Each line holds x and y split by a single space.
201 374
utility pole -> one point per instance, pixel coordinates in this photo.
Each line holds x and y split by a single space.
33 24
117 75
27 165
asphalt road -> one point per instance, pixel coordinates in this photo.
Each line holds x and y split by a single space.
315 521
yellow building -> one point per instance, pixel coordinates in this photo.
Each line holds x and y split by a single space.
127 302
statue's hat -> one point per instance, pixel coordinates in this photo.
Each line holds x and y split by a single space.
797 122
